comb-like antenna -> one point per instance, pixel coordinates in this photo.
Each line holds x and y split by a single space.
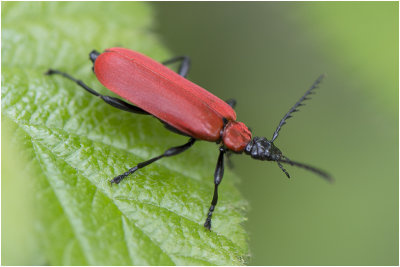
294 108
321 173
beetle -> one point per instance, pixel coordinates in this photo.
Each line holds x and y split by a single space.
184 108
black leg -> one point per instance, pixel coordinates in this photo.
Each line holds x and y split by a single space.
170 152
218 175
113 101
184 67
231 102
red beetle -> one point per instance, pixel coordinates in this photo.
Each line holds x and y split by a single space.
183 107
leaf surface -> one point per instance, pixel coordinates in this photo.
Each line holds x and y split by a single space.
74 144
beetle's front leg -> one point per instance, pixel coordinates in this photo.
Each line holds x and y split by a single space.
218 175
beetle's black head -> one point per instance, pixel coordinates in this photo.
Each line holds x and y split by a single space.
263 149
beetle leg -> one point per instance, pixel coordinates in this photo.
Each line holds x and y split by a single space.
173 129
169 152
183 68
119 104
218 174
231 102
113 101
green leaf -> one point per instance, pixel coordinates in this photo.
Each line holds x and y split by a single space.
64 146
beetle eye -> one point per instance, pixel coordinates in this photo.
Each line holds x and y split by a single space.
254 152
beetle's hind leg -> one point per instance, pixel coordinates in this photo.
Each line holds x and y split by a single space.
168 153
113 101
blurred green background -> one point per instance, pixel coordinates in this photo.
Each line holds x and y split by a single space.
266 54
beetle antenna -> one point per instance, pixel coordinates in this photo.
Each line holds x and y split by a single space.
298 104
321 173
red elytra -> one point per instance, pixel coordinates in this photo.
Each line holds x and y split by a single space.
170 97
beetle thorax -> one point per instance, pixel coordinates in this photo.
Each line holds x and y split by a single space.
263 149
236 136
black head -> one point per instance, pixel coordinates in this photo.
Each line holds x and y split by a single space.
263 149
